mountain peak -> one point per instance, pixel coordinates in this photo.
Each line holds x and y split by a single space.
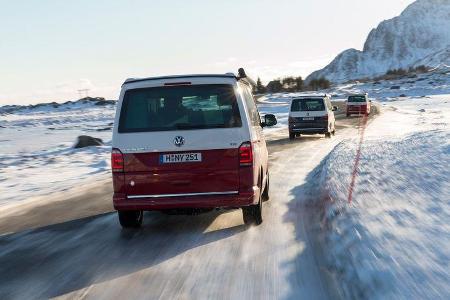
421 30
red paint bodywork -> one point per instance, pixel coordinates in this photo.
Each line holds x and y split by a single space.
219 171
361 109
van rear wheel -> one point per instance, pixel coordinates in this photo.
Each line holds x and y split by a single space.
130 219
327 134
265 195
253 214
291 135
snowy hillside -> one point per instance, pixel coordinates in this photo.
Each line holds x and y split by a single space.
392 241
436 82
419 36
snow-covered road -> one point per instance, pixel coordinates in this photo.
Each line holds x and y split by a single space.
209 256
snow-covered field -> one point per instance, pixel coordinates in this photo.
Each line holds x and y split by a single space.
36 154
420 85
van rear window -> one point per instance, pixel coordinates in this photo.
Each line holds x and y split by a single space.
357 99
179 108
306 104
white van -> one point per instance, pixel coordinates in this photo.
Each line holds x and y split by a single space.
189 142
311 115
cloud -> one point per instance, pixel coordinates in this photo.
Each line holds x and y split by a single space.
61 92
268 72
224 63
69 90
296 68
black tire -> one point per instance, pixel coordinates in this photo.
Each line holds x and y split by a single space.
327 134
265 195
348 115
131 219
252 214
291 135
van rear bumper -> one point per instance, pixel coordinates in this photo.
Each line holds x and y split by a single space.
124 202
308 128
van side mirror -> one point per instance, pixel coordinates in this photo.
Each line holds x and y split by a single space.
269 120
335 108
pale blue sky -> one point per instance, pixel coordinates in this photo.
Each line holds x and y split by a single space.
51 48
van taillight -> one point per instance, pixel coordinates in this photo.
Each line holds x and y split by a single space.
325 118
116 160
246 154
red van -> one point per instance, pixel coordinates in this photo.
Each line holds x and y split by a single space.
358 104
189 142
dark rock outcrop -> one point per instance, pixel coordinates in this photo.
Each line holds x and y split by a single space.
87 141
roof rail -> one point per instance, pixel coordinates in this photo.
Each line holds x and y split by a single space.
242 76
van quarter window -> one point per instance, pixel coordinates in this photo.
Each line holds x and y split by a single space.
251 106
179 108
307 104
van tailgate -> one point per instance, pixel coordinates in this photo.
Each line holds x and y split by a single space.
147 174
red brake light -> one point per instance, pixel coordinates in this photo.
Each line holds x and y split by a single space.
116 160
325 118
177 83
246 154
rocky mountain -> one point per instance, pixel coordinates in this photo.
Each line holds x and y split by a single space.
419 36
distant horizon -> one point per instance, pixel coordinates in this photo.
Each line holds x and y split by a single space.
97 46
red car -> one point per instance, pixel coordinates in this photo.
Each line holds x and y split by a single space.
189 142
358 104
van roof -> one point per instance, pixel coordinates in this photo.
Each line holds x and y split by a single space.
227 75
310 96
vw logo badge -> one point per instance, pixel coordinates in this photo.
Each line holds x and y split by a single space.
178 141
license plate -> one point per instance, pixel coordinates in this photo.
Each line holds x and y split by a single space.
180 158
308 119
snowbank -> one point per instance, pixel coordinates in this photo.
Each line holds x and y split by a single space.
392 240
